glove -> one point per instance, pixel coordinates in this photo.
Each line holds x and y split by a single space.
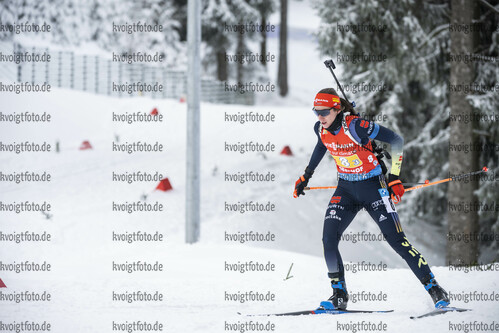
395 188
302 182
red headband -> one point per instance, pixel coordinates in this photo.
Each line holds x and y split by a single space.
322 99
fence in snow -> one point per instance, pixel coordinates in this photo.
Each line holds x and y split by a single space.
99 75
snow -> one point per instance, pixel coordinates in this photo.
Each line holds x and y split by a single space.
194 279
194 288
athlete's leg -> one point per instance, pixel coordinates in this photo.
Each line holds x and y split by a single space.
381 208
340 212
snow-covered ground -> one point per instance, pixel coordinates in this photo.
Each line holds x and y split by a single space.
194 285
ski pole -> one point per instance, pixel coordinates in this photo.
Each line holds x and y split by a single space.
318 188
453 178
421 185
330 64
329 187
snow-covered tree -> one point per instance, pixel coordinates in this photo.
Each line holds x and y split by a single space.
75 21
65 18
486 104
228 29
157 13
265 8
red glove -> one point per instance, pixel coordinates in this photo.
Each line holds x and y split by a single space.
302 182
395 188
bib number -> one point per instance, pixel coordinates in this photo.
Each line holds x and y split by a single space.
349 162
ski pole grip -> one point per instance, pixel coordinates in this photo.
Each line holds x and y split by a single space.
330 64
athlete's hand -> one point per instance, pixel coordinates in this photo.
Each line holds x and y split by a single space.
302 182
395 188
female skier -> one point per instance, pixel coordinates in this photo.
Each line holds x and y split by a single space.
361 184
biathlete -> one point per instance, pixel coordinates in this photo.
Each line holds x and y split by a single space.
361 184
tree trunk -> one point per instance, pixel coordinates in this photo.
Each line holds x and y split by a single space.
462 222
282 75
240 52
222 65
263 44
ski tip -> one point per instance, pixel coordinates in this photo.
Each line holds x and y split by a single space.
254 315
438 311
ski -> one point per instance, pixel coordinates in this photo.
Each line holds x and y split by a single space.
326 307
440 311
318 311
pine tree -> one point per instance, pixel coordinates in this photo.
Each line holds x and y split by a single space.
8 15
102 16
245 13
215 16
65 18
265 9
486 103
155 12
222 33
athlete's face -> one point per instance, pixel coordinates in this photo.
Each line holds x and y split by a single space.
326 121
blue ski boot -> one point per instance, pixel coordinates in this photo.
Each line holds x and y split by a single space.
339 299
437 293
